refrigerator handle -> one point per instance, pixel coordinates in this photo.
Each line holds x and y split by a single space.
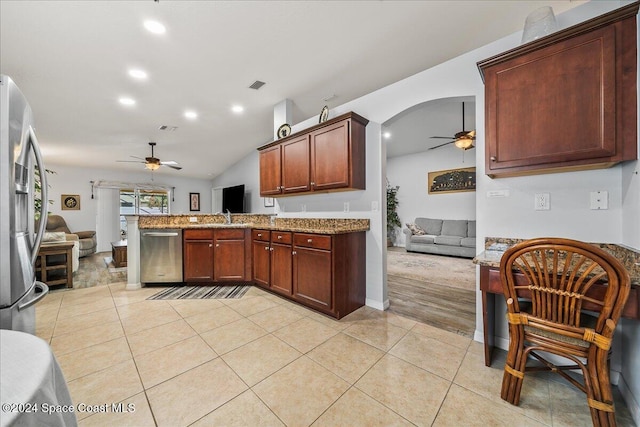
45 291
44 194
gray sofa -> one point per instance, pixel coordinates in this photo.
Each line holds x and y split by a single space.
443 237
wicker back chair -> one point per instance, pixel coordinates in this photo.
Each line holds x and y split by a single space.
546 284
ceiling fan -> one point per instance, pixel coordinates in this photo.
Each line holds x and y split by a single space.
463 139
152 163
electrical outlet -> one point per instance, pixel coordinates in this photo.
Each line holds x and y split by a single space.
303 207
374 206
599 200
542 202
346 206
193 219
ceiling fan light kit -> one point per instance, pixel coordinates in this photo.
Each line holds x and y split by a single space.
462 140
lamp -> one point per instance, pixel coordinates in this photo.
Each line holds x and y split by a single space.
152 166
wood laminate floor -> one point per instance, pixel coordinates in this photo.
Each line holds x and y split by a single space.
438 305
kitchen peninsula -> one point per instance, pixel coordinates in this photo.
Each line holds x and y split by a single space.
317 262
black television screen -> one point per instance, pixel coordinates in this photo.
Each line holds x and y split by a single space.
233 199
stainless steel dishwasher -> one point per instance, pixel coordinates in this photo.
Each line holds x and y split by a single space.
161 256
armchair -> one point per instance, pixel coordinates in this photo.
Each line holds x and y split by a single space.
86 239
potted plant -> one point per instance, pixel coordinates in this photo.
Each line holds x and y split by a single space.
393 220
37 199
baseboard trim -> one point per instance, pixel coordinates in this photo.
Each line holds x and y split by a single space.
382 306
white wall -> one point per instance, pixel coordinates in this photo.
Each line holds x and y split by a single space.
410 173
246 172
76 180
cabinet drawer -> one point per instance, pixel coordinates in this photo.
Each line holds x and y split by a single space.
317 241
262 235
197 234
231 233
283 237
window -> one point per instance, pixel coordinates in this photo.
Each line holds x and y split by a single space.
143 202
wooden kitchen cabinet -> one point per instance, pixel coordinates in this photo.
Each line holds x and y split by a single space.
261 257
296 172
329 156
198 256
229 258
566 101
329 271
281 262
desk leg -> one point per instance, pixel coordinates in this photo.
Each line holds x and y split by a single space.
488 324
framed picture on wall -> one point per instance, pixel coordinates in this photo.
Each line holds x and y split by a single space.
451 181
194 201
70 202
269 202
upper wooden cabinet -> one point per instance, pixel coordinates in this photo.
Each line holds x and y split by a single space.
327 157
566 101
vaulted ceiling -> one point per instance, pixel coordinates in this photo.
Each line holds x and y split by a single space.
71 59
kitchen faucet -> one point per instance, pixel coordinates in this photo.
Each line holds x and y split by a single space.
227 216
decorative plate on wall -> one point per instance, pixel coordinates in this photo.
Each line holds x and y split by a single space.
284 130
324 114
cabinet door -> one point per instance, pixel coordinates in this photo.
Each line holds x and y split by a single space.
261 263
330 162
270 178
296 175
312 277
198 260
229 260
281 268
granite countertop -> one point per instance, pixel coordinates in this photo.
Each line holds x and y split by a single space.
495 247
261 221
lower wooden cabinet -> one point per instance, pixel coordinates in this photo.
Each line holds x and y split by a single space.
229 255
261 260
215 256
312 278
281 262
198 256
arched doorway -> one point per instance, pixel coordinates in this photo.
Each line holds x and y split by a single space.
433 288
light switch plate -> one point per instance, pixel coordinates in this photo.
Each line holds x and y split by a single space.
193 219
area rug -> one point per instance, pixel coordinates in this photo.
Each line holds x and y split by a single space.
201 292
444 270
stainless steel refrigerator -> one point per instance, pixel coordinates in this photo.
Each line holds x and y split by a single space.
19 241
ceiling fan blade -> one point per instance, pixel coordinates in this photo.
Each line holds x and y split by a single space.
130 161
136 157
442 145
173 166
472 134
442 137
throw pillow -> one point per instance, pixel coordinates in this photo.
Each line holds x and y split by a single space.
416 230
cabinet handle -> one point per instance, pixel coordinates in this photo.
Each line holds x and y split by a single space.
309 240
279 237
493 158
217 245
259 234
266 248
313 183
210 245
271 249
293 252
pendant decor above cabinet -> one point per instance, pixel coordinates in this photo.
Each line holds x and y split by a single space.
566 101
329 156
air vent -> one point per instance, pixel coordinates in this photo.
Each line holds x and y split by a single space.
168 128
256 85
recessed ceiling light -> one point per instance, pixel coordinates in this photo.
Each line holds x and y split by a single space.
126 101
387 135
191 115
237 108
138 74
155 27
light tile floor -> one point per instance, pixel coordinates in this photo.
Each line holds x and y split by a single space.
264 361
